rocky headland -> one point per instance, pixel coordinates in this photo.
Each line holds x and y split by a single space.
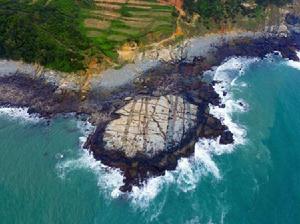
149 114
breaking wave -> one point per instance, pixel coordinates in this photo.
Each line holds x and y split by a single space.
227 76
294 64
19 113
189 170
108 179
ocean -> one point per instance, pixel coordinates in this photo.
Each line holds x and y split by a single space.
46 176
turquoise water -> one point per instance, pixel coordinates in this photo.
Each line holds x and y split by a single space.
45 177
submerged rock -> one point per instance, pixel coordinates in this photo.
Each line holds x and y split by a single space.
150 125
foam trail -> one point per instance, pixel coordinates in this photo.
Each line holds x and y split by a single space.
294 64
202 154
20 113
185 175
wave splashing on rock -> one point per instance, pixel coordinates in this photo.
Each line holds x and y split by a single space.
189 171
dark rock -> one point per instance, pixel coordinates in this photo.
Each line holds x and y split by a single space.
292 19
226 138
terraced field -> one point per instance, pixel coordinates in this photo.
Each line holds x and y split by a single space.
113 22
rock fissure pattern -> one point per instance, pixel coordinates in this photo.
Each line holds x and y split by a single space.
150 125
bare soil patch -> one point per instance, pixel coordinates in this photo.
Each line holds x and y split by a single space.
111 1
108 6
134 2
117 38
137 24
93 33
140 7
95 23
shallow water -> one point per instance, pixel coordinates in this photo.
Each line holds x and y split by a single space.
45 176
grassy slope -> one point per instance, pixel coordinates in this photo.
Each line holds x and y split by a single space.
230 15
44 33
154 23
52 33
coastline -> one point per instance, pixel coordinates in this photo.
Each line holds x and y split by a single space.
26 87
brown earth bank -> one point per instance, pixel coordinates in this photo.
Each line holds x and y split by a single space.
144 127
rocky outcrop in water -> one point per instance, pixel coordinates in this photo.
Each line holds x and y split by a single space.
149 135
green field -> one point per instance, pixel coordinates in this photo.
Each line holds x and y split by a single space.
114 22
46 32
65 34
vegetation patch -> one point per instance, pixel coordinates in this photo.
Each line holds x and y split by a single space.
65 34
47 34
96 23
218 11
131 21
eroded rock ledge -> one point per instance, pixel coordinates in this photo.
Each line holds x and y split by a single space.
144 127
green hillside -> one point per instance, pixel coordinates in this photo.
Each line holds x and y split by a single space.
64 34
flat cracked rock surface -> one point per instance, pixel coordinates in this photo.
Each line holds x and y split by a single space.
150 125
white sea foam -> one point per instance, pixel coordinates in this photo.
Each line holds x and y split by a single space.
109 180
20 113
185 177
294 64
227 75
189 170
202 154
194 220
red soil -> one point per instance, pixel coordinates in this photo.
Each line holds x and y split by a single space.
177 3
